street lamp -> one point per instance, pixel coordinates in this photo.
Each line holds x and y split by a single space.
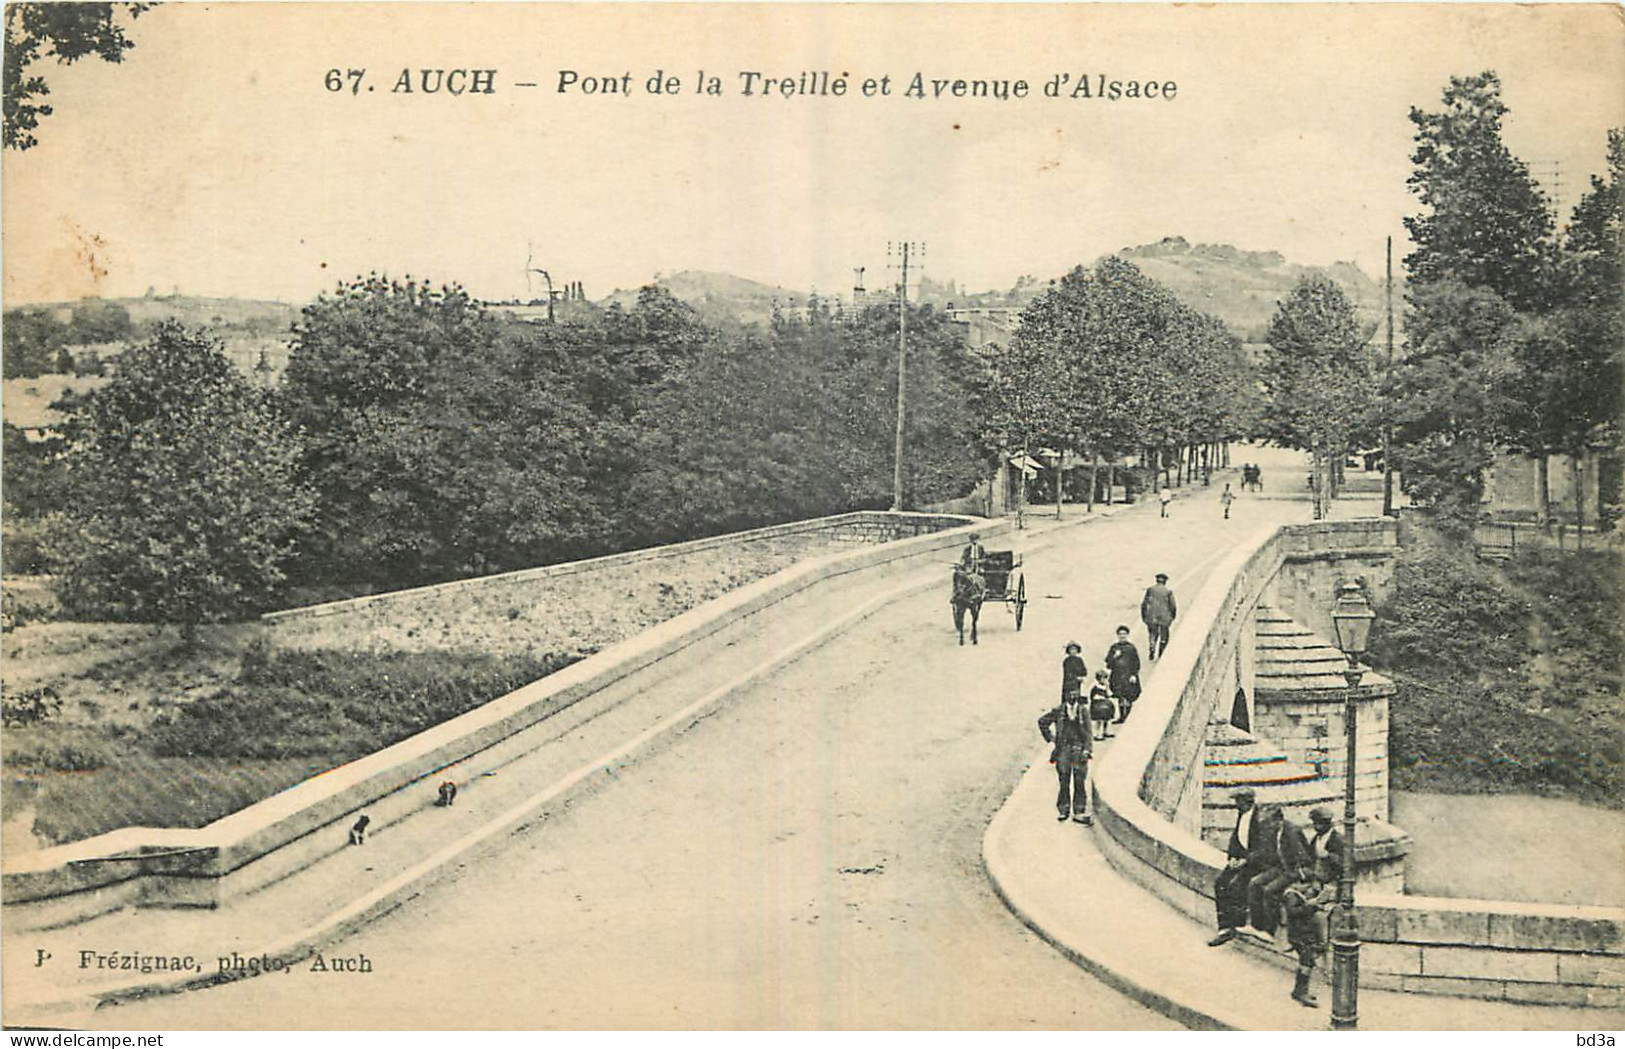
1351 618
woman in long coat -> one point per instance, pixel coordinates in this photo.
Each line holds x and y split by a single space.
1123 661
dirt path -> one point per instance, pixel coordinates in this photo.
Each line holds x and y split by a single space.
809 856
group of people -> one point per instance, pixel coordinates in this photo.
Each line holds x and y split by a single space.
1272 867
1252 477
1073 727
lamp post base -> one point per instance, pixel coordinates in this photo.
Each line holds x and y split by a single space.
1345 978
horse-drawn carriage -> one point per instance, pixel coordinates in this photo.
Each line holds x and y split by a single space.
998 566
989 579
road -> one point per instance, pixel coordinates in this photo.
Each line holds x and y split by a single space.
808 856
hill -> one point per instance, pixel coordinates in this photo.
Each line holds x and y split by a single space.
222 315
1242 287
721 298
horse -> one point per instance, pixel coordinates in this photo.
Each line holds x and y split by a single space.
969 591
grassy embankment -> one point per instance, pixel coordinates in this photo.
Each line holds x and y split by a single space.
153 732
1509 673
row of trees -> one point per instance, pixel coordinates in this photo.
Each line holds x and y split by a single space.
1513 331
37 343
418 437
1108 363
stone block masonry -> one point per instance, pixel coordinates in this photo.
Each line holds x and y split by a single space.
582 607
1488 949
275 838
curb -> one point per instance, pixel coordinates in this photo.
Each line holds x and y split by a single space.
994 864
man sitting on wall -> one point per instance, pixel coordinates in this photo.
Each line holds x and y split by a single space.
1279 858
1324 849
1230 887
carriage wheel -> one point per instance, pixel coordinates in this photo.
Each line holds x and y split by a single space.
1021 598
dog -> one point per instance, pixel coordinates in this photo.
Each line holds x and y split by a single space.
358 832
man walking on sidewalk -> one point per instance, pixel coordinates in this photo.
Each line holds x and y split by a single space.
1157 612
1067 728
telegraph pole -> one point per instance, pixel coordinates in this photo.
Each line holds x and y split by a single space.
902 378
1388 397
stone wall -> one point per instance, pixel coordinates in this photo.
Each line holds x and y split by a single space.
1310 728
1206 658
166 867
1317 558
1479 948
583 606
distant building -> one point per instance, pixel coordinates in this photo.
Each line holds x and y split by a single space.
986 325
1512 487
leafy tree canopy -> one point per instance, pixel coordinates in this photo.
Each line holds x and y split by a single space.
66 31
183 501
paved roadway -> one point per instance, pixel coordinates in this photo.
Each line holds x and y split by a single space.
808 856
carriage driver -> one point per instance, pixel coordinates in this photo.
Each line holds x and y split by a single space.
971 559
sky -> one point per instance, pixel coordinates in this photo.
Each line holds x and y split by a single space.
215 161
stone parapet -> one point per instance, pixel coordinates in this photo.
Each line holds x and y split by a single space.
275 837
1490 949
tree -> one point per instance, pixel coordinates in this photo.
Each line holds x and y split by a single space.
1023 391
1486 223
1318 379
67 31
446 443
184 506
96 321
737 442
31 341
1596 235
1454 394
1570 398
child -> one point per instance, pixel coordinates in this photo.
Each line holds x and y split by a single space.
1101 707
1304 899
358 832
1227 497
1073 671
1165 496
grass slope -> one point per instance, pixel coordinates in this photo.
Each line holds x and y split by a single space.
1509 674
228 722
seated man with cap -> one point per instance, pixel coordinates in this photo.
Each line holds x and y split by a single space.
1325 846
1230 887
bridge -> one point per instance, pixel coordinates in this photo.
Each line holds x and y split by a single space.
788 821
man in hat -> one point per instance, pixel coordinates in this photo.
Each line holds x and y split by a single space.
1230 887
971 559
1324 851
1307 898
1068 730
1157 611
1279 860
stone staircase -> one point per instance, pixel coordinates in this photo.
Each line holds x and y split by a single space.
1234 758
